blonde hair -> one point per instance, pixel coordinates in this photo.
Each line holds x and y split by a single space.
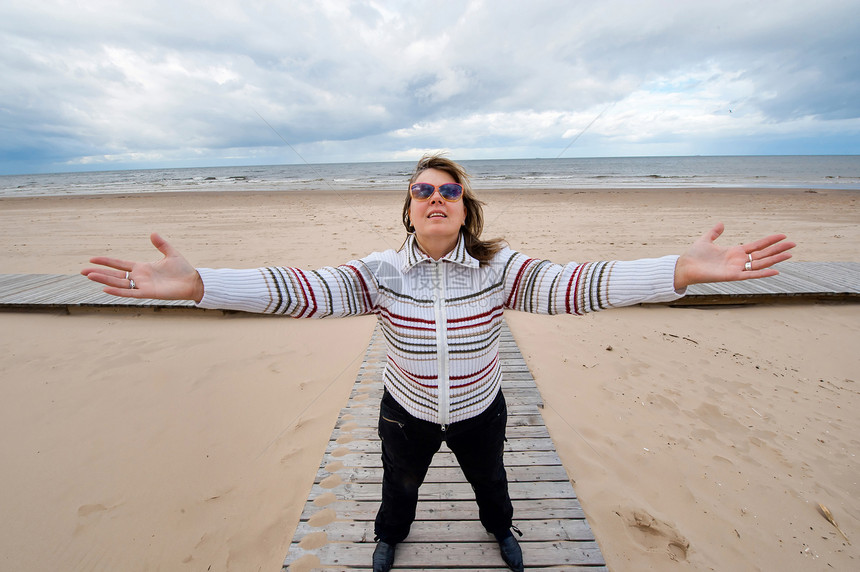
481 250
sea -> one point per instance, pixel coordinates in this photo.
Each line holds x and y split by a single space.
808 172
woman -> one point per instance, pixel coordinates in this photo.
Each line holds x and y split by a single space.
440 301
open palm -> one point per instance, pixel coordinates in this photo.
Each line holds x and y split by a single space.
705 261
171 278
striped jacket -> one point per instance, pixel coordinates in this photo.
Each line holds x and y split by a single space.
441 319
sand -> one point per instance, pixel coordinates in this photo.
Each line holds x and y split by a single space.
697 439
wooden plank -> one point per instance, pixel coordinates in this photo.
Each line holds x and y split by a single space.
448 510
454 555
441 460
366 409
367 417
450 474
369 433
364 446
537 530
399 568
451 491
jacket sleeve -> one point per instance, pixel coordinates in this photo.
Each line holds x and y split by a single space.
346 290
544 287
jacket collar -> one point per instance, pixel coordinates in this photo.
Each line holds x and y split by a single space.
411 255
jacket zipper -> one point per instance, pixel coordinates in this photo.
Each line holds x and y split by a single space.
442 345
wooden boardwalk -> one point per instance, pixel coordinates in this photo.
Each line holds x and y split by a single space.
798 281
336 528
35 291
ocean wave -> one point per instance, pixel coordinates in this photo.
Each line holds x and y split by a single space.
836 172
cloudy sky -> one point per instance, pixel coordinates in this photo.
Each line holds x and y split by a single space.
97 85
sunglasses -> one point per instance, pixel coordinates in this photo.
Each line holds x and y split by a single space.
451 192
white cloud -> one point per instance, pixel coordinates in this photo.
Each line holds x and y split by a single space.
181 80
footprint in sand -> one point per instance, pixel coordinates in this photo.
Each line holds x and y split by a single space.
331 482
325 499
334 466
341 451
89 509
322 518
654 535
314 540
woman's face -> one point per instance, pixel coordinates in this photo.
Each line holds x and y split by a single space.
436 218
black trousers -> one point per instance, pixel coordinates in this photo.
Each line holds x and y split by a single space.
408 446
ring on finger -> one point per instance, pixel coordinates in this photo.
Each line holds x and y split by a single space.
131 285
126 275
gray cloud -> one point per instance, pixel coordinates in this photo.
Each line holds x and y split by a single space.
105 85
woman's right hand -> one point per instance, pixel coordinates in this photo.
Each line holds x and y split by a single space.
171 278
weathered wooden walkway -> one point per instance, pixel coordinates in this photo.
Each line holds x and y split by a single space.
36 291
336 528
798 281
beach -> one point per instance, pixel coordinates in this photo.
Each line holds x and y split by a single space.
696 438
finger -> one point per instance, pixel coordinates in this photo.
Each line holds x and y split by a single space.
763 243
125 292
108 279
124 265
715 232
771 260
108 272
761 267
751 274
162 245
773 250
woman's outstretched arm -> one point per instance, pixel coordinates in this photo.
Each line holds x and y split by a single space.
705 261
540 286
171 278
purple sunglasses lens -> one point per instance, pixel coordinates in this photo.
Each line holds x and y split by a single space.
422 191
449 191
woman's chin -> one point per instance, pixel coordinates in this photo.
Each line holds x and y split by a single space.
438 231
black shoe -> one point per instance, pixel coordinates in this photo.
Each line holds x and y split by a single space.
383 557
511 553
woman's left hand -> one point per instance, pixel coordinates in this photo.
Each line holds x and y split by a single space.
704 261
